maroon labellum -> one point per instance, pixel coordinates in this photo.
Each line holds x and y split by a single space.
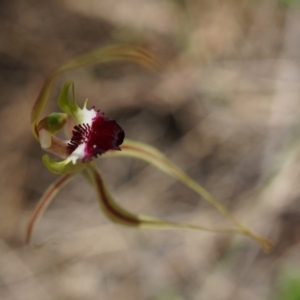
96 136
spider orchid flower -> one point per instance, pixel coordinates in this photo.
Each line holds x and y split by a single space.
95 135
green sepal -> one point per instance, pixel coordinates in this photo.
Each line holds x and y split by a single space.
62 167
53 123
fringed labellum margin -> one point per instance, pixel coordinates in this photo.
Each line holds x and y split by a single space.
95 136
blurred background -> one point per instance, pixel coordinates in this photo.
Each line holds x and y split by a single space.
224 107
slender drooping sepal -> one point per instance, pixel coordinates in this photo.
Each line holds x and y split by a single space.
119 215
159 160
44 202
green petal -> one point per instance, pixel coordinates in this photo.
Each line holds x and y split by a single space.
62 167
104 55
153 156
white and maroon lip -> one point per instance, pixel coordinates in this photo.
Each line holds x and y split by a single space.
96 135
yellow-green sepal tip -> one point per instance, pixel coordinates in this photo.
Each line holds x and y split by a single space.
62 167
